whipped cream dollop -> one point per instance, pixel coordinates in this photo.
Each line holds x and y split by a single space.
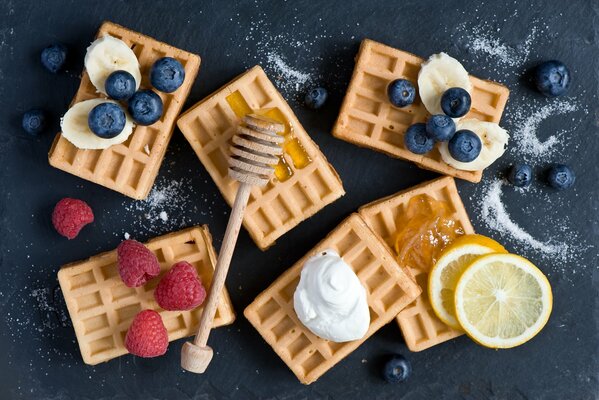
330 299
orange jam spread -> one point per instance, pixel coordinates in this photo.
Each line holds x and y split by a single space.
291 146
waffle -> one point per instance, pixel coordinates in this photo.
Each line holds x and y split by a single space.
388 288
280 205
420 326
132 166
102 307
368 119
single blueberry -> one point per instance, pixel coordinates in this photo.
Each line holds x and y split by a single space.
316 97
520 175
552 78
53 57
417 140
397 369
120 85
145 107
440 127
106 120
401 93
465 146
456 102
167 74
34 121
560 176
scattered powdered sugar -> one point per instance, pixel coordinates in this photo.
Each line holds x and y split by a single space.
290 77
163 216
127 236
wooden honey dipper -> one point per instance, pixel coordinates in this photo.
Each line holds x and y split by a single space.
254 151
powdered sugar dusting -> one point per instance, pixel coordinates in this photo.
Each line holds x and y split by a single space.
292 78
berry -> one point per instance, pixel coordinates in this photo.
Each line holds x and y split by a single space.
53 57
552 78
316 97
145 107
401 92
106 120
560 176
455 102
137 264
440 127
397 369
520 175
167 74
147 336
180 288
417 140
120 85
465 146
70 216
34 121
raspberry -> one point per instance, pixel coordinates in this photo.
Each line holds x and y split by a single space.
147 336
180 288
137 264
70 216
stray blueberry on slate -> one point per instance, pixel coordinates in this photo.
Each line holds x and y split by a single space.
53 57
167 74
417 140
145 107
456 102
401 93
34 121
106 120
552 78
465 146
520 175
397 369
316 97
120 85
560 176
440 127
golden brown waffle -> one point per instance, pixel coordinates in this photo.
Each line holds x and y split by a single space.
279 206
368 119
389 289
102 307
132 166
420 326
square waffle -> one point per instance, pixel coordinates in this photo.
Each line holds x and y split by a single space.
389 289
420 326
279 206
368 119
132 166
102 307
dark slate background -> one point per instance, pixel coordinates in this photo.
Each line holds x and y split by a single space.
40 358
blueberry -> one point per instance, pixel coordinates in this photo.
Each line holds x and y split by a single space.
560 176
316 97
34 121
145 107
106 120
417 140
401 92
520 175
53 57
465 146
120 85
167 74
455 102
397 369
552 78
440 127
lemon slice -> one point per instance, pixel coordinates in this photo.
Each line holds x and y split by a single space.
444 275
502 300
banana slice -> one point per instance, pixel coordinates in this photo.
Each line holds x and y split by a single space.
494 142
437 74
106 55
76 130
